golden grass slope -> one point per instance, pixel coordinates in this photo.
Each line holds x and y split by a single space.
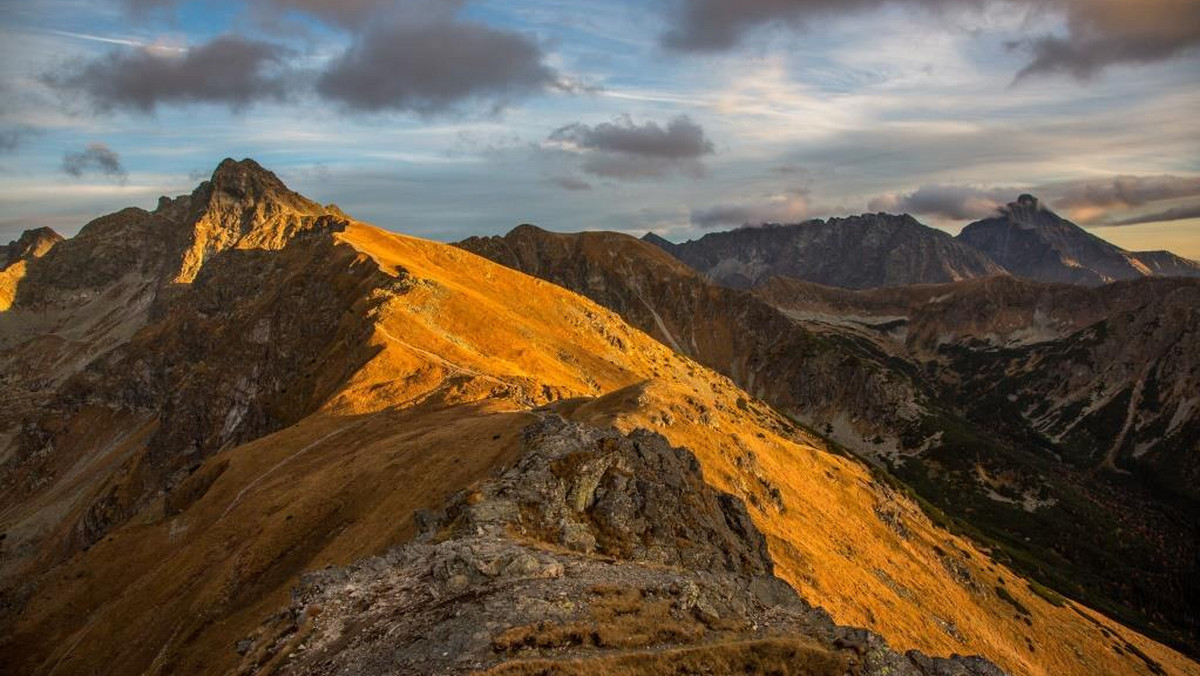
462 356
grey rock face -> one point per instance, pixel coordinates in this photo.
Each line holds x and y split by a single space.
595 547
860 252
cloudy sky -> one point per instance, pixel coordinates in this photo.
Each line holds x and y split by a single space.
446 118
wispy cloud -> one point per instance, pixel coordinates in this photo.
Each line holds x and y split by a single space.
1173 214
126 42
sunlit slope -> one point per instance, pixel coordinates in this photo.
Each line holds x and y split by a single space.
968 392
460 350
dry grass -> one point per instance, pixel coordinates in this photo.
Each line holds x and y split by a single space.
779 657
618 617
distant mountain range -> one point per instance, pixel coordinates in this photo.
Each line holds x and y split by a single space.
875 250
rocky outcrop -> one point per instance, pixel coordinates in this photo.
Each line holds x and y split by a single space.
31 244
595 552
242 206
859 252
1033 242
15 257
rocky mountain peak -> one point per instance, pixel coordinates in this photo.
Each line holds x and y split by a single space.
243 206
245 184
1029 212
248 180
658 241
31 244
528 229
1032 241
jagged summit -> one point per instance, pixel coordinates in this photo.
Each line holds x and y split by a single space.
659 241
235 184
858 252
248 181
242 206
1032 241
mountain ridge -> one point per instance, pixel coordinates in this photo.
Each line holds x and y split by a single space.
856 252
919 376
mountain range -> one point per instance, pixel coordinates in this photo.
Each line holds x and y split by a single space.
1024 239
246 433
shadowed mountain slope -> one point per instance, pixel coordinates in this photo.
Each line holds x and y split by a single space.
859 252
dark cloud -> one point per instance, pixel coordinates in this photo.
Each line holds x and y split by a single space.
96 158
229 70
1099 33
1174 214
434 67
681 139
571 183
957 202
712 25
624 150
